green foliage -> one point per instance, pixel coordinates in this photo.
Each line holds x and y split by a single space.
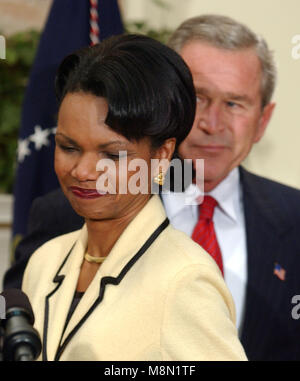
142 27
14 73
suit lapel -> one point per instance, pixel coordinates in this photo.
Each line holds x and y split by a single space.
265 227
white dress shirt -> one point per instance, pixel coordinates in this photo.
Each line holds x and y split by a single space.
229 222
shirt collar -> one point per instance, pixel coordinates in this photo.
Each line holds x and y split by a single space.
175 202
227 193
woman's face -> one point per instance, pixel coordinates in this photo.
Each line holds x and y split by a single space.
83 141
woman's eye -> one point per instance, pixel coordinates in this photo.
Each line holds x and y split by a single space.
112 156
67 148
116 155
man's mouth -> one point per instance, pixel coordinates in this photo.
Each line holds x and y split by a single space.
213 148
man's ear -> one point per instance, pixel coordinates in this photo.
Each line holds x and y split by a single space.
264 120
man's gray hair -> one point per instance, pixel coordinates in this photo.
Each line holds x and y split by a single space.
225 33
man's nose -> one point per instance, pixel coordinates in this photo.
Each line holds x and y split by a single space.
85 168
211 120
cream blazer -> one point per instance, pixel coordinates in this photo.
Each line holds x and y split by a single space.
158 296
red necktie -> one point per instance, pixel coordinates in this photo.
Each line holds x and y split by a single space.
204 232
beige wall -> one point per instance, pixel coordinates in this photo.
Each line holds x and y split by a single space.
277 156
19 15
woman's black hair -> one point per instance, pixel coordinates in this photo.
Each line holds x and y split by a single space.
147 85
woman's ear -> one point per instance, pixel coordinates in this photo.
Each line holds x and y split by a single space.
163 155
166 150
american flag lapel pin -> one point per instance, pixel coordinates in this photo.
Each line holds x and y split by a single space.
279 271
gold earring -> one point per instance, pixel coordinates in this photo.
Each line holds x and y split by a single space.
160 178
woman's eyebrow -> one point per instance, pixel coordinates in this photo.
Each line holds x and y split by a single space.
115 142
71 141
119 143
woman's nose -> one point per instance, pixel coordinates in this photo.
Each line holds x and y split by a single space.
85 168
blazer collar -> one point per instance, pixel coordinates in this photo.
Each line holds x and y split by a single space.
59 299
132 243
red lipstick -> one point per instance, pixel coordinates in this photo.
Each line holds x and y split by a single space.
85 193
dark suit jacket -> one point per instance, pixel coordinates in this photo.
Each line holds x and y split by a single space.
272 214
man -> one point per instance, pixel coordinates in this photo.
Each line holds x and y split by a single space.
255 220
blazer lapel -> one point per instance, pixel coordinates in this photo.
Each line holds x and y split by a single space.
131 245
59 299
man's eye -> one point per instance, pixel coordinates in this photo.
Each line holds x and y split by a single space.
232 104
200 99
201 102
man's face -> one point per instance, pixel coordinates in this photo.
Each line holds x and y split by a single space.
229 116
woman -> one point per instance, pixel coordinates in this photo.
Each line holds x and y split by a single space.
127 286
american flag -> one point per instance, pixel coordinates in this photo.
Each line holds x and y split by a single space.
67 29
279 271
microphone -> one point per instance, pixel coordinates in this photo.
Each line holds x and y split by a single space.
21 342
